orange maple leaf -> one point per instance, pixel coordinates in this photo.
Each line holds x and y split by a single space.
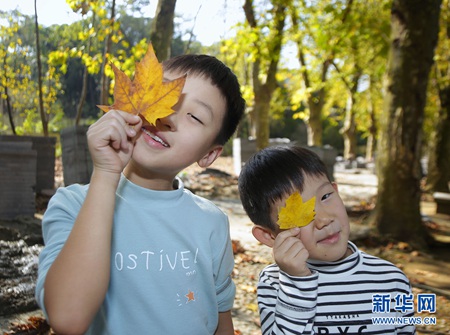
296 213
147 94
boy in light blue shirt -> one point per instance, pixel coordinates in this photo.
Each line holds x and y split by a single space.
134 252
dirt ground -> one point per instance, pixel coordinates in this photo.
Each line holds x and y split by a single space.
428 271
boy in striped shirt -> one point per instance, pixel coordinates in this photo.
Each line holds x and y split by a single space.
320 283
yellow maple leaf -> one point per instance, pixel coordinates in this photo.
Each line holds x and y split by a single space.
147 94
296 213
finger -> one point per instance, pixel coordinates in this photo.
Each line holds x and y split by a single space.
133 129
124 124
131 119
123 117
285 240
119 136
132 124
285 234
291 257
112 133
296 249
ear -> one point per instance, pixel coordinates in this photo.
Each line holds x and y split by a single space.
210 157
263 235
335 186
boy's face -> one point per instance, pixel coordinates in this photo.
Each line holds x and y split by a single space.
186 136
327 235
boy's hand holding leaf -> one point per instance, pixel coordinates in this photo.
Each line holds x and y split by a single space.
290 254
111 140
147 95
296 213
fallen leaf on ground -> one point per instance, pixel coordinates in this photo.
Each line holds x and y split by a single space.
237 247
248 288
34 326
253 307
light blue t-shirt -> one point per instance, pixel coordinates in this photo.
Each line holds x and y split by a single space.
171 260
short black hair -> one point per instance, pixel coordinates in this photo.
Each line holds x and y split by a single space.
223 78
273 173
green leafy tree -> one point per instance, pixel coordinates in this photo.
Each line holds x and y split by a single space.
266 33
19 78
317 32
81 59
10 45
361 55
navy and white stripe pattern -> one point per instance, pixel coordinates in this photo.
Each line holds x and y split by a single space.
335 299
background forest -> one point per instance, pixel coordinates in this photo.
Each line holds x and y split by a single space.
370 78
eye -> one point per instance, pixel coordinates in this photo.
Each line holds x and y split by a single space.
195 118
326 196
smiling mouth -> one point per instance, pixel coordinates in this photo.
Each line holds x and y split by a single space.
331 238
155 138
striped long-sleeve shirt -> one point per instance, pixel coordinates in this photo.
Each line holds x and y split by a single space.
338 298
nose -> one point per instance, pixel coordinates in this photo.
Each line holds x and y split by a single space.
167 123
322 219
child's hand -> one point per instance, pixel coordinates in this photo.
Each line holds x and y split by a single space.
111 140
290 254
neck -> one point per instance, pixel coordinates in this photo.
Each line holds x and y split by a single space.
150 180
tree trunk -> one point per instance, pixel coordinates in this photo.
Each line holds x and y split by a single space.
438 179
44 119
349 130
314 128
316 101
85 80
7 99
263 91
104 81
415 26
162 29
262 114
9 109
371 139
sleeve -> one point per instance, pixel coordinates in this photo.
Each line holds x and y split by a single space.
287 305
56 226
223 268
